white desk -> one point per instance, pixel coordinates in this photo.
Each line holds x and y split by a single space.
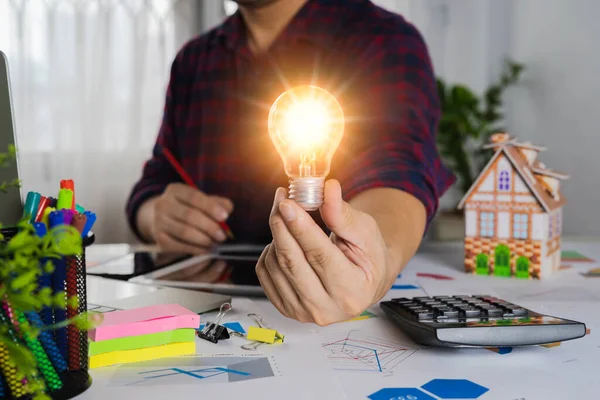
378 356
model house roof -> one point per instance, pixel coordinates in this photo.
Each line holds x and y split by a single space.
541 181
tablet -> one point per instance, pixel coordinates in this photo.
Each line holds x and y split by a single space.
134 264
231 273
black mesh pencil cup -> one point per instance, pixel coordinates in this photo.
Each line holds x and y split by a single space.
60 351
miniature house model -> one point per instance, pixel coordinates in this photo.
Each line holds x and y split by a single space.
513 214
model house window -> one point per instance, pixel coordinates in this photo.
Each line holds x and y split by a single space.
557 224
551 227
520 226
504 181
486 224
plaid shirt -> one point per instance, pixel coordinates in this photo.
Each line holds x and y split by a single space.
219 94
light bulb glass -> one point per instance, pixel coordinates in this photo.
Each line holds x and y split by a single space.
306 125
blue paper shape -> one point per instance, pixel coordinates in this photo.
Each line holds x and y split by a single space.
454 388
404 287
234 326
400 393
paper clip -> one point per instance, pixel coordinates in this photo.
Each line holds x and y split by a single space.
214 331
261 334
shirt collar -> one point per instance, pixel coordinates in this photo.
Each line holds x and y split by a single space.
318 22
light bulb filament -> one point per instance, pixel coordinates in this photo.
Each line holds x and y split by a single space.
307 165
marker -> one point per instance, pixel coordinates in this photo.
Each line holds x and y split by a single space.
44 202
188 179
67 215
47 341
69 184
55 218
40 229
91 219
65 199
79 209
46 216
31 205
53 202
79 221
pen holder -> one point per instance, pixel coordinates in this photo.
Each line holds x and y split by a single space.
60 352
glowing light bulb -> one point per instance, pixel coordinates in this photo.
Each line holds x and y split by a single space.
306 125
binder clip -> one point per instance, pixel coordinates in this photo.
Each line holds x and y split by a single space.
261 334
214 331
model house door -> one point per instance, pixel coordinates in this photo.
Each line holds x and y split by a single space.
482 265
502 261
523 267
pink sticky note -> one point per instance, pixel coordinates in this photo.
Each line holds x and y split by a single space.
144 320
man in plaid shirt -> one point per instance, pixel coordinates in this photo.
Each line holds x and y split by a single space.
385 180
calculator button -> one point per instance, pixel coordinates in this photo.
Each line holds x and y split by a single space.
508 315
472 313
494 312
422 298
519 311
402 300
451 314
442 297
425 315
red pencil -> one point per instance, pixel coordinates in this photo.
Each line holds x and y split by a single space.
188 180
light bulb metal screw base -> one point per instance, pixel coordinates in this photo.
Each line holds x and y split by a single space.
307 192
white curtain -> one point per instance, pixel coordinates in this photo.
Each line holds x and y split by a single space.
89 80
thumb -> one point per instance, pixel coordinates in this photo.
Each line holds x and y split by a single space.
339 216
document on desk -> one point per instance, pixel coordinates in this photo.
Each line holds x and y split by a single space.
295 369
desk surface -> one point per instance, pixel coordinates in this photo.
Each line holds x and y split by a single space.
371 358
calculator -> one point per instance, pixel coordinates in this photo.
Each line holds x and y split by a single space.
477 321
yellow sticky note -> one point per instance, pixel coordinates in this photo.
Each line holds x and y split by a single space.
148 353
264 335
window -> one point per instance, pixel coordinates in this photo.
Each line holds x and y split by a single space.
520 226
557 225
504 181
551 227
486 224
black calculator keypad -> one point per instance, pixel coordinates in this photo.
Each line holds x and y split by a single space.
456 308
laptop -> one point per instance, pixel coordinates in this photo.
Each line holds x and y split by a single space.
11 205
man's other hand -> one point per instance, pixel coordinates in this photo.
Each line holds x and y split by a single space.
313 278
185 220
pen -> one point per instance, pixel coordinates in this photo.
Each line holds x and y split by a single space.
190 182
31 205
44 279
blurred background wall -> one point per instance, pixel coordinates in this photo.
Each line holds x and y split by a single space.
89 79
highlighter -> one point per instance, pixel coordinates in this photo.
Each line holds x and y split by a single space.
69 184
31 205
65 199
44 202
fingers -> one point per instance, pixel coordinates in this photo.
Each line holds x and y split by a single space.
339 216
292 261
311 239
169 243
217 208
267 283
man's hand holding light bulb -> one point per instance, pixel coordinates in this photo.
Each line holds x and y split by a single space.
305 274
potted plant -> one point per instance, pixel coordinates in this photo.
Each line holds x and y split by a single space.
24 257
468 120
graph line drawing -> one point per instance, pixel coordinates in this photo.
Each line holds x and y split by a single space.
356 352
193 370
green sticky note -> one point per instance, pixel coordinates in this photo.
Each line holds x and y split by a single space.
141 341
